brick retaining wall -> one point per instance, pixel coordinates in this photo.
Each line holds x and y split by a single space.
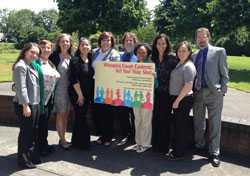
235 138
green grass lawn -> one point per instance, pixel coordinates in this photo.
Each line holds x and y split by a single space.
239 67
8 55
239 71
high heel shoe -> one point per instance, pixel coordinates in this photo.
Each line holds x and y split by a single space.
25 163
64 145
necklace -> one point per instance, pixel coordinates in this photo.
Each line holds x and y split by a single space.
85 59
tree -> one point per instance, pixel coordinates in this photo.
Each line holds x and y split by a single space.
3 18
47 19
228 16
180 18
88 17
19 24
146 33
231 25
27 26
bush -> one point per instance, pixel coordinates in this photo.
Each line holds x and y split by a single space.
236 43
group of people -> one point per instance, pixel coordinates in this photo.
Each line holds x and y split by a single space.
47 81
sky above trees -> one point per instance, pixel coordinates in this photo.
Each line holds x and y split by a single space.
39 5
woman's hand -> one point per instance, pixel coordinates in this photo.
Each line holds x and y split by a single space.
80 100
26 111
154 74
176 104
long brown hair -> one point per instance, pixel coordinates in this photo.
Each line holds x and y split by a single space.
78 52
57 47
155 53
26 48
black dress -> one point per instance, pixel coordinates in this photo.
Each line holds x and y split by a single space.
162 105
81 72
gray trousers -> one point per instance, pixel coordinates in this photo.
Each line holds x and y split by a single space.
143 126
205 99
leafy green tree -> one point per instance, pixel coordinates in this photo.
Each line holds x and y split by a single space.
228 16
19 24
88 17
3 18
27 26
48 20
146 33
180 18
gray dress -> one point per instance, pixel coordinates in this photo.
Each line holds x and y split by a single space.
62 101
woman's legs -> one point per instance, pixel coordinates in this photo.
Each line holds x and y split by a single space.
61 125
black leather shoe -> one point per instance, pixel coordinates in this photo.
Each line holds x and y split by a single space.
214 160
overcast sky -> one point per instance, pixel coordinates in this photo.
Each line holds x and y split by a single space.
38 5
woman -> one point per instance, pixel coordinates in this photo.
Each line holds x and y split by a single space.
165 63
181 85
50 76
27 96
60 58
143 117
103 113
125 115
81 92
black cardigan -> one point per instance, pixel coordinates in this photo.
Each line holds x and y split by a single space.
83 73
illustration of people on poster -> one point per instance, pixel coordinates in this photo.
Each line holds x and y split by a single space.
125 84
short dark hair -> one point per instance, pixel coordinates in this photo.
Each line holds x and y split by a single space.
203 29
105 35
188 45
144 45
155 53
45 42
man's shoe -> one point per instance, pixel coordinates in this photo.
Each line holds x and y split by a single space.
214 160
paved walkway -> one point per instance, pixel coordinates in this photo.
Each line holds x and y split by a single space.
236 104
105 161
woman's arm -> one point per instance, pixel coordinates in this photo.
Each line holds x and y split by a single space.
74 80
20 74
184 91
78 90
188 76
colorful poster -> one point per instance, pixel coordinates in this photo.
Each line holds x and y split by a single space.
125 84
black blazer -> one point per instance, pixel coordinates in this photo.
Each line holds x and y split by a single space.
164 70
83 73
55 58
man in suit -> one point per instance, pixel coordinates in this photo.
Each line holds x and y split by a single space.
210 87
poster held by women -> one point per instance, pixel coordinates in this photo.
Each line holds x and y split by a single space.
125 84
